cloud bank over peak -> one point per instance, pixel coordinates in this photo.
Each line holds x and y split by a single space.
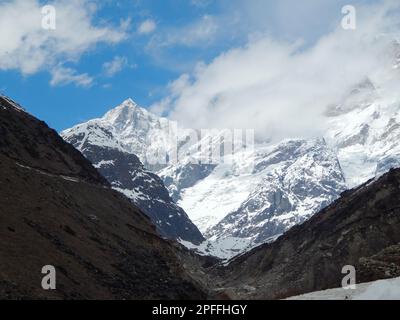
282 89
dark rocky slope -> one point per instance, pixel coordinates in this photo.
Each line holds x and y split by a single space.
30 141
362 229
127 174
56 209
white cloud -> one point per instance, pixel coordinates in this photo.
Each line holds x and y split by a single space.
62 76
147 26
28 48
198 33
114 66
282 89
237 20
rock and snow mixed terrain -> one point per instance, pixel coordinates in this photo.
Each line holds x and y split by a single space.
298 179
361 141
260 191
105 143
285 185
360 229
256 194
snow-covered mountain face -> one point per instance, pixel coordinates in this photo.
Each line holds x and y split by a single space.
100 141
259 195
128 128
364 131
298 179
259 192
363 128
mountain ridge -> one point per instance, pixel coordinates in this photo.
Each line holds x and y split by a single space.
101 141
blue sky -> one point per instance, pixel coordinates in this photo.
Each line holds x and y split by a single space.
144 46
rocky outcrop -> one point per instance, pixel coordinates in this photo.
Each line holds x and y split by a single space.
127 175
383 265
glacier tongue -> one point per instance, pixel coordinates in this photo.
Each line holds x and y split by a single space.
221 192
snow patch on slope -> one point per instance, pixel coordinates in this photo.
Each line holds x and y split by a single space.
377 290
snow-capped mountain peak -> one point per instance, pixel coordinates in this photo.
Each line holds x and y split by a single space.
129 128
128 113
117 144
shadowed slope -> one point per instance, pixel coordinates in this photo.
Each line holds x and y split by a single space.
56 209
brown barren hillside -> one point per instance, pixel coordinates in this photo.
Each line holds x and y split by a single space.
56 209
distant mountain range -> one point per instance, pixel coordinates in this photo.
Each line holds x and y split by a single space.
262 192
